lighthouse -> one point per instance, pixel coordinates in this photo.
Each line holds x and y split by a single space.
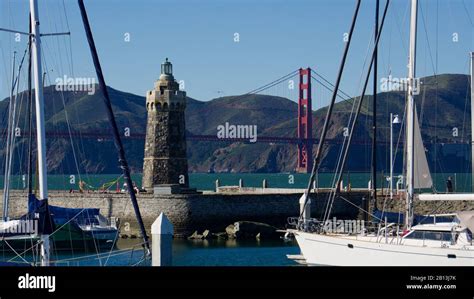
165 165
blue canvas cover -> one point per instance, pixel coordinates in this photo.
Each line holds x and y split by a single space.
61 215
38 210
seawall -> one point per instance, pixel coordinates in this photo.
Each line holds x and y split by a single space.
424 207
191 212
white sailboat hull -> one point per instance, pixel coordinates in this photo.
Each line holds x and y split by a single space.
336 250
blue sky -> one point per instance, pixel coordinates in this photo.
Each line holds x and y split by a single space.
276 37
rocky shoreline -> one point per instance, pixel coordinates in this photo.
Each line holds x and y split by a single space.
241 230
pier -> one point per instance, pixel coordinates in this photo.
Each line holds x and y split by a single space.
197 212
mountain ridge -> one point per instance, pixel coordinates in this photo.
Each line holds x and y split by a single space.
273 115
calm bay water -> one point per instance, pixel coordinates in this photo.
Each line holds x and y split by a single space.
206 181
233 253
185 253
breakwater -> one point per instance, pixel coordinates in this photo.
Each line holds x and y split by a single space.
191 212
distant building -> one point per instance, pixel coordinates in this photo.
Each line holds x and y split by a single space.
165 165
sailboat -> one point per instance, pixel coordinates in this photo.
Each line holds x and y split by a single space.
446 243
77 229
45 225
40 212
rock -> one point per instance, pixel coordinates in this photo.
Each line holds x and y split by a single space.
252 230
221 235
230 231
206 234
195 236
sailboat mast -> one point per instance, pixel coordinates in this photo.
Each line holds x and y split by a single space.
374 116
410 127
110 114
30 118
39 100
472 120
6 183
40 128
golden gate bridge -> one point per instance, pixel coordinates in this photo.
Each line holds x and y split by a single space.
304 139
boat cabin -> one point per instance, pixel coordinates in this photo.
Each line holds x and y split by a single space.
457 232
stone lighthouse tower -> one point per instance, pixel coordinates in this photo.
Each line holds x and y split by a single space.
165 166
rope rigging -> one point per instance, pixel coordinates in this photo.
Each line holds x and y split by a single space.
346 151
329 111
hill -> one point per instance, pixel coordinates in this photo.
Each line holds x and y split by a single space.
443 105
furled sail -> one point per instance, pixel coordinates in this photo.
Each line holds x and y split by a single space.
422 171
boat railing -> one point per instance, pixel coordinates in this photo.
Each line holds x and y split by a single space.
347 227
308 225
392 230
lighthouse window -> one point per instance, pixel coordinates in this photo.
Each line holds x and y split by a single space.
167 68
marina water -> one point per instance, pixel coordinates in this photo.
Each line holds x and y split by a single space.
206 181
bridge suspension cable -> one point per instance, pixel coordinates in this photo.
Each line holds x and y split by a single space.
321 80
273 83
348 97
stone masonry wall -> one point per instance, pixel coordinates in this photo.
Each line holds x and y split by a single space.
425 207
165 149
193 212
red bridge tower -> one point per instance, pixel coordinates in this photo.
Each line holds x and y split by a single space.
305 123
